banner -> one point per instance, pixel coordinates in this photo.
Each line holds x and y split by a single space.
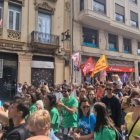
88 66
100 65
103 75
120 69
76 60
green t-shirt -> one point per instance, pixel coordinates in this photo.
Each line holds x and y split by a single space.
55 119
69 120
32 109
105 134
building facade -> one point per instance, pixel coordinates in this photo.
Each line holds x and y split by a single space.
110 27
31 49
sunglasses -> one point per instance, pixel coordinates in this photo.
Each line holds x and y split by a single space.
108 89
64 92
84 107
91 94
133 105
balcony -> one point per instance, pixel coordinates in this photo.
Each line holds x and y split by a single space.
94 18
44 41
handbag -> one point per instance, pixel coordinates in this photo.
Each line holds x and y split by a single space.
128 135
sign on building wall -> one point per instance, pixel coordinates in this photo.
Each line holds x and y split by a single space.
1 68
42 64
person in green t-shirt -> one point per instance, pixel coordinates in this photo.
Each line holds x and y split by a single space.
68 107
33 108
50 102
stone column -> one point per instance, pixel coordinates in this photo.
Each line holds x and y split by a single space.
134 47
103 40
59 72
136 70
120 44
127 13
24 68
5 18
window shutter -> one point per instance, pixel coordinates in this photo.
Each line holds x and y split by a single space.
17 26
134 16
101 1
119 9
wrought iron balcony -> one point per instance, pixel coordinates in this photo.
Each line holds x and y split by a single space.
44 38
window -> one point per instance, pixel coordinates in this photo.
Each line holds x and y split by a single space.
119 13
134 19
113 42
138 48
1 15
100 6
81 5
44 26
133 1
44 22
90 37
14 18
127 45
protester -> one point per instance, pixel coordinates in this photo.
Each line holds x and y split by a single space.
113 105
82 94
18 129
39 124
69 105
133 119
33 100
86 120
50 102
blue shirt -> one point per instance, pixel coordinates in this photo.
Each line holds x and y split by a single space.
87 124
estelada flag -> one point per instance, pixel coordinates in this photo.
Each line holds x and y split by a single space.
101 64
88 66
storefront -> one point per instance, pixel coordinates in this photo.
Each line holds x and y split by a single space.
42 70
125 73
8 75
125 70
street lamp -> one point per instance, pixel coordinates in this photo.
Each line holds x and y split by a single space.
66 35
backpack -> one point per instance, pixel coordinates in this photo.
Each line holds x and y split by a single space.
21 131
119 135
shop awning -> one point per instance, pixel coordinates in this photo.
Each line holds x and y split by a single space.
119 69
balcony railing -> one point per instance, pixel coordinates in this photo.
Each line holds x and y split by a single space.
44 38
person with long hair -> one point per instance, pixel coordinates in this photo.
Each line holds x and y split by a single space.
50 102
86 120
132 118
104 128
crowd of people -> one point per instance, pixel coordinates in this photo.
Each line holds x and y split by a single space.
109 111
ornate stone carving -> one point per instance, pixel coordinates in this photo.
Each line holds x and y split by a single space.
15 35
67 6
18 1
10 46
44 5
